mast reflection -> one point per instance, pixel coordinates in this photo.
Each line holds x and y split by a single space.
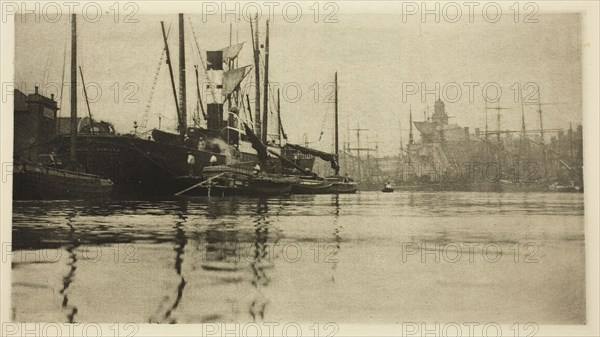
73 244
221 257
180 240
260 261
337 239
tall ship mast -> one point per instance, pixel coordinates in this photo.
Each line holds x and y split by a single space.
150 163
143 166
451 157
40 172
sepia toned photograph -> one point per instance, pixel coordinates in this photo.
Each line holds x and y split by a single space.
297 168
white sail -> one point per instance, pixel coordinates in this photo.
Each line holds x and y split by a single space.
231 52
232 78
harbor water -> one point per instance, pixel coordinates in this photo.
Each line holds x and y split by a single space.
364 258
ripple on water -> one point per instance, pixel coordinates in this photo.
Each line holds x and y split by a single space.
294 258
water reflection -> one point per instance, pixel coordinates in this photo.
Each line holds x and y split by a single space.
221 240
180 241
260 262
337 239
220 249
211 260
71 247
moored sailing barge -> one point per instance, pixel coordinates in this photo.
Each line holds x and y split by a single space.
335 184
38 172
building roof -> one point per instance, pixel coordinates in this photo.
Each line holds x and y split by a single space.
20 101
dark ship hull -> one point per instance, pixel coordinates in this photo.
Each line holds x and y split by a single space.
138 167
40 182
312 186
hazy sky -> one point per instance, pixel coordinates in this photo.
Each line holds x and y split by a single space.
377 56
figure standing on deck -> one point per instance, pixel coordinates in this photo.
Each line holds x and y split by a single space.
191 160
256 169
388 188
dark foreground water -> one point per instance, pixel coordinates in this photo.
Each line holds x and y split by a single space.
365 258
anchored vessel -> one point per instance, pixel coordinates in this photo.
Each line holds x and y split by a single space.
333 184
311 183
38 172
245 136
36 181
156 165
449 157
232 180
387 189
160 162
145 166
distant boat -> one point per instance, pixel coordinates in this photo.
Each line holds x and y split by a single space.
335 184
508 186
566 188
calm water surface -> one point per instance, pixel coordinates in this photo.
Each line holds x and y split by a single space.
370 258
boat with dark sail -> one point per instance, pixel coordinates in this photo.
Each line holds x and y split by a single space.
282 165
309 182
340 185
156 165
150 166
335 184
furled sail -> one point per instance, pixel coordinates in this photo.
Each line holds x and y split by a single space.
330 157
232 78
231 52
